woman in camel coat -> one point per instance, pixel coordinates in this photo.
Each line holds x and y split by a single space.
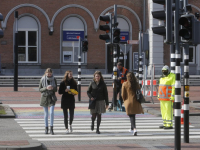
129 97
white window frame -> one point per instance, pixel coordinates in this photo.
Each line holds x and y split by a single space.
194 57
73 49
26 46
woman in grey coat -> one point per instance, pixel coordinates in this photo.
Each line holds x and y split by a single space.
48 87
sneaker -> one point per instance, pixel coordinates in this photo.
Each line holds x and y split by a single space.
67 131
131 131
71 130
168 127
135 132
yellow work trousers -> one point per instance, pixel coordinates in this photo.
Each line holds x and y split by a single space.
166 108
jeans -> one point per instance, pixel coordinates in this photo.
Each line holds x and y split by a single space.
132 120
46 115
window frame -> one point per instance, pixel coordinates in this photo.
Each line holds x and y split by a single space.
194 55
26 45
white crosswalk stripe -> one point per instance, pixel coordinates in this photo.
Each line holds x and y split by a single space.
111 129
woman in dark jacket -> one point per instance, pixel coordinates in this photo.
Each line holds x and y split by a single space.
68 100
97 91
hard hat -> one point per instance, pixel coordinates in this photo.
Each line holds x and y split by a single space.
165 68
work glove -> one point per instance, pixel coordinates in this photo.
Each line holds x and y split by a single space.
171 98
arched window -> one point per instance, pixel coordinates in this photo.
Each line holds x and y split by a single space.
72 28
28 40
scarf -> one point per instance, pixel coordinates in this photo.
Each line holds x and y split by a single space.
45 79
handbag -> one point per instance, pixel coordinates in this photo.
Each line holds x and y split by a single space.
54 98
92 103
139 96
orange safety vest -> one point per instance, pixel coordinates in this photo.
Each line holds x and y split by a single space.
164 92
123 73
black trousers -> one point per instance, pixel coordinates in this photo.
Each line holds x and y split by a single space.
132 120
65 112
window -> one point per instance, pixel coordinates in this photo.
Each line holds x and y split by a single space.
70 52
28 40
191 54
72 28
27 48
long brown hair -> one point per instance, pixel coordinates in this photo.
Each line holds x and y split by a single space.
48 70
66 78
99 73
132 81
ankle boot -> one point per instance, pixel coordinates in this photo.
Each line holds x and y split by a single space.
98 124
51 131
46 130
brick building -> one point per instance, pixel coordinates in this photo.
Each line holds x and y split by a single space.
43 24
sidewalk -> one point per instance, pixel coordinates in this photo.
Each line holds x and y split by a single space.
15 138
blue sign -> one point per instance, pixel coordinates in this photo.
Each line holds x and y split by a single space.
72 35
124 36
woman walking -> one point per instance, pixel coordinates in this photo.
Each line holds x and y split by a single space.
129 97
48 87
97 91
68 100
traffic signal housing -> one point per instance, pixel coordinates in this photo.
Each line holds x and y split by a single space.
116 35
107 27
165 15
1 31
190 31
84 46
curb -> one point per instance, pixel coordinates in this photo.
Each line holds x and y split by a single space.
9 112
33 145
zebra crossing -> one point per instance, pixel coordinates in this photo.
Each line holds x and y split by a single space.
111 129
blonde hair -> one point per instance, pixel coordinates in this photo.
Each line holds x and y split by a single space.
48 70
99 73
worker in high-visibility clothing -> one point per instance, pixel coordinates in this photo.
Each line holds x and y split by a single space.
166 94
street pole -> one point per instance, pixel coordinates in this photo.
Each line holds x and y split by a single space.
140 60
16 53
177 102
186 86
173 59
186 93
125 57
79 70
114 77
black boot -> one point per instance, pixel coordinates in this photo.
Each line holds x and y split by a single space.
51 131
46 130
92 125
98 124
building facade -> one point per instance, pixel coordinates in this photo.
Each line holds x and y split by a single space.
47 32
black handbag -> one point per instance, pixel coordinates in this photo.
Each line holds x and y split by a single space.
139 96
54 98
92 104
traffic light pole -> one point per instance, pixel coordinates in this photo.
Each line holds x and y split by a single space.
114 77
79 70
16 53
140 60
186 87
186 93
177 102
173 59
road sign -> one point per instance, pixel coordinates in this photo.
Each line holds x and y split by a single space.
132 42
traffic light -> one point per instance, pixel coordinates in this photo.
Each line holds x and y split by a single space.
190 31
108 27
165 15
84 46
116 35
1 31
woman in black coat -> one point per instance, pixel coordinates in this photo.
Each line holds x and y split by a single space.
68 100
97 91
